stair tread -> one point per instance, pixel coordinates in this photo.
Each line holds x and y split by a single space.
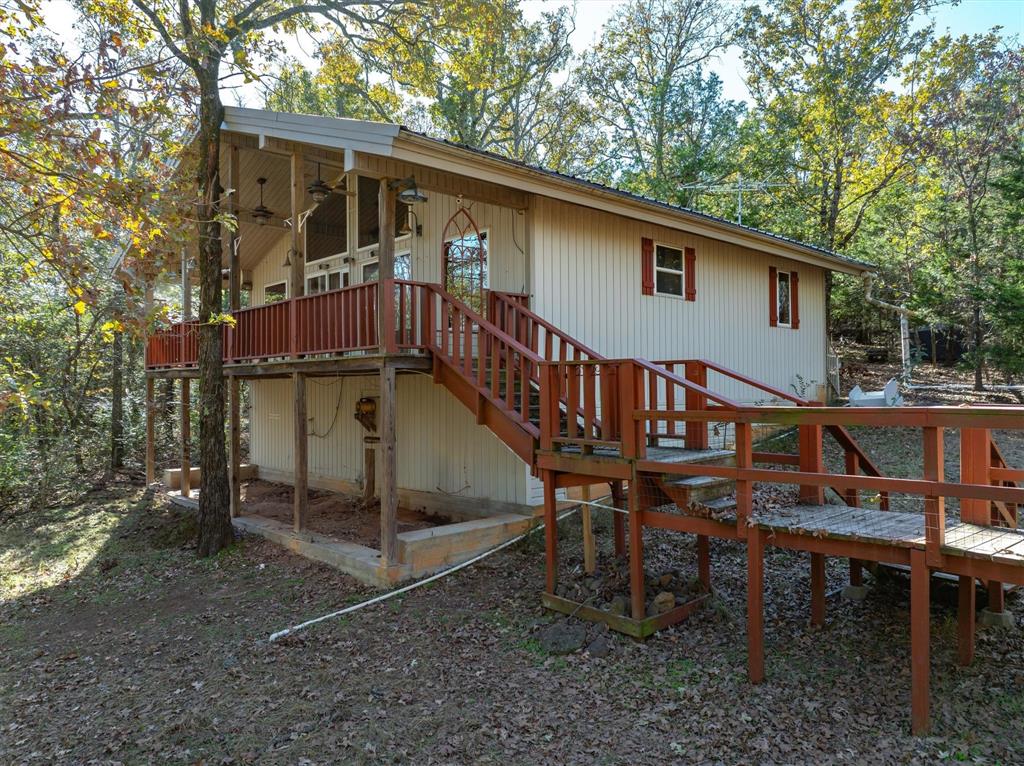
698 481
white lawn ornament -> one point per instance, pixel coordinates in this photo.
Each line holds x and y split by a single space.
887 397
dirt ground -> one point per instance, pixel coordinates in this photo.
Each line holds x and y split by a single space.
117 645
340 516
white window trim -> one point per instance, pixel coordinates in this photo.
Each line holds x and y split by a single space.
778 293
681 272
326 274
370 261
485 233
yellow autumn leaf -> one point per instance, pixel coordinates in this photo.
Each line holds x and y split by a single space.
80 307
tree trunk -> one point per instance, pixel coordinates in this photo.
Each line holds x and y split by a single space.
215 531
117 393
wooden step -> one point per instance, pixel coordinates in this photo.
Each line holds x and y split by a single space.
697 489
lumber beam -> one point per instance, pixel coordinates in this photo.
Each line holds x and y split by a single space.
636 551
300 495
965 619
550 533
589 545
389 468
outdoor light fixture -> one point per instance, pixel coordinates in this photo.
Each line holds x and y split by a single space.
410 192
318 190
287 260
407 228
261 212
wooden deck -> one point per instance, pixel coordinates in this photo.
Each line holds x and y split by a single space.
904 530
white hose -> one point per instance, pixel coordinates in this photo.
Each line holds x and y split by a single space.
418 583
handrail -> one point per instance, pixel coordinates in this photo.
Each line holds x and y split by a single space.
566 340
839 433
931 420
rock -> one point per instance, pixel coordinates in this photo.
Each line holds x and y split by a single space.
563 638
600 647
617 606
665 580
231 661
663 602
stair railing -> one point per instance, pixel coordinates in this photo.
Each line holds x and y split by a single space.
856 459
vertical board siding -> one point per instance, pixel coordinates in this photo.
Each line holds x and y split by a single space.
440 446
586 279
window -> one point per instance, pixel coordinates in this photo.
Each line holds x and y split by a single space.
783 303
327 228
403 268
368 205
332 280
668 270
275 292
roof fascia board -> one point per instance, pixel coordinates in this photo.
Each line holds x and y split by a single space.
431 153
315 131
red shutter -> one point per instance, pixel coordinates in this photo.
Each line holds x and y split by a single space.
647 266
691 274
794 300
773 296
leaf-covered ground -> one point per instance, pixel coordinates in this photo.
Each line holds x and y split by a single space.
118 646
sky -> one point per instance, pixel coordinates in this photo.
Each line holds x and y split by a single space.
967 17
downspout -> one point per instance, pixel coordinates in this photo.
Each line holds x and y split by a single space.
904 314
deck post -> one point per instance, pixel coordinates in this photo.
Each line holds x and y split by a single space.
696 434
974 469
389 468
811 461
618 519
755 604
297 270
185 485
637 583
550 534
300 496
817 589
386 268
920 666
934 505
852 498
589 545
744 487
704 561
965 619
150 433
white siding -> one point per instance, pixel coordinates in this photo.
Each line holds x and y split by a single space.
440 446
586 280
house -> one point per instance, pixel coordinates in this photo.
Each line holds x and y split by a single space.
597 268
470 337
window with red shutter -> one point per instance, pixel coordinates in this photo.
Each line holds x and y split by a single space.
647 266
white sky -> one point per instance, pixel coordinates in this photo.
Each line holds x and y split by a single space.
968 17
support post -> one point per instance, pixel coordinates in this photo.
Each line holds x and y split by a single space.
300 497
934 505
811 461
589 545
755 604
386 266
974 469
150 433
965 619
636 551
920 622
696 434
186 438
296 272
852 498
550 534
235 445
744 487
618 519
817 589
389 468
369 471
